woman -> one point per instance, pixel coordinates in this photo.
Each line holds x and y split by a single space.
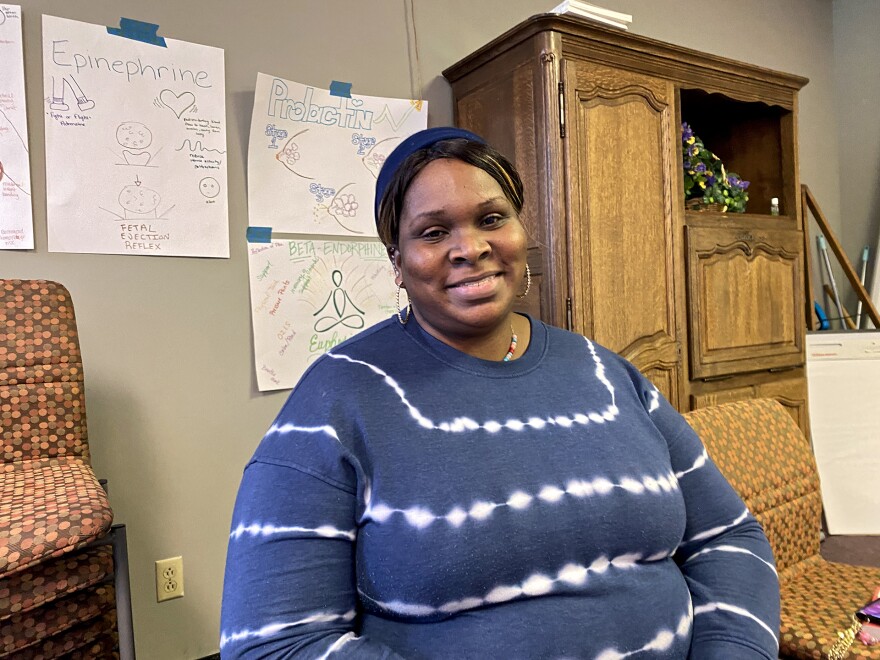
461 481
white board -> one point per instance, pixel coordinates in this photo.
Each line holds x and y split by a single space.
843 373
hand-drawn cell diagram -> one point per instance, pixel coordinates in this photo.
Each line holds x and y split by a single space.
139 203
341 300
338 204
373 153
290 154
209 187
135 139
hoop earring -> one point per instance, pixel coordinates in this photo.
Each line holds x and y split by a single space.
400 316
528 283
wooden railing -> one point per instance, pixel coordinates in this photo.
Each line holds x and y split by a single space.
809 204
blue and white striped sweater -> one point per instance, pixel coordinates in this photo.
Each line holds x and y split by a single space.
412 501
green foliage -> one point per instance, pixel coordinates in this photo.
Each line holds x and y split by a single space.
705 177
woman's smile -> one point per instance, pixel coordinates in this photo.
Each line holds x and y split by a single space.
478 286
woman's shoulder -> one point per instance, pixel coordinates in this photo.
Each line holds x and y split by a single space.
571 346
566 340
379 334
378 338
328 401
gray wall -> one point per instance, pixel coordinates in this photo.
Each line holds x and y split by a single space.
857 90
173 409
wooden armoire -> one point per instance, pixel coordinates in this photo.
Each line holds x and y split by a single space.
709 305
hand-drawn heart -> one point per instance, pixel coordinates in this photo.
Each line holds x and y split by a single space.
356 103
132 158
177 103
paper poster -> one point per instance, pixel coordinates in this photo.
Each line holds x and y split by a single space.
308 296
135 142
314 156
16 216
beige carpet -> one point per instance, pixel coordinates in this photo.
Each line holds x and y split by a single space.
860 550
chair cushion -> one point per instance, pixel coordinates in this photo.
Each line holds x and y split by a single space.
76 641
42 402
42 420
761 451
52 506
58 620
104 647
43 583
817 602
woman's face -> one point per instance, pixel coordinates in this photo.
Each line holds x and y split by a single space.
461 250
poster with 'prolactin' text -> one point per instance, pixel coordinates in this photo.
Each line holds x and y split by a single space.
313 156
135 143
308 296
16 217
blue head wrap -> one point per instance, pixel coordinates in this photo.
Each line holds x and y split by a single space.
409 146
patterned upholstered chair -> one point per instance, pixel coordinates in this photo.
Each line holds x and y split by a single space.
63 565
762 452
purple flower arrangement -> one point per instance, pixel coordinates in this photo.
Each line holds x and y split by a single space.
705 177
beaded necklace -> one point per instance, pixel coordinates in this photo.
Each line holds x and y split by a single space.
512 349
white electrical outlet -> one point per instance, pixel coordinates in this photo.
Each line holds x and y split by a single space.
169 578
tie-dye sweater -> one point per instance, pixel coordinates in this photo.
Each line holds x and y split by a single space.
413 501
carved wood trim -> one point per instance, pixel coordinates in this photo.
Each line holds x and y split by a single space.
748 245
660 350
590 94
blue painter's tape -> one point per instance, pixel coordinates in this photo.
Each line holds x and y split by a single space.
340 89
139 31
259 234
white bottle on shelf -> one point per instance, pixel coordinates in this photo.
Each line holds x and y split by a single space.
774 206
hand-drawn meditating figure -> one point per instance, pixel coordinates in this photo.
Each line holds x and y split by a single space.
340 301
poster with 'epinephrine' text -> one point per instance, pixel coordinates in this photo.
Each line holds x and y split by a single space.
135 143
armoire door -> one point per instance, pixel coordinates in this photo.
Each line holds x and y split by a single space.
620 145
745 299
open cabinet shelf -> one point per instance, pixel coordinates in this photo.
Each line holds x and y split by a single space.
752 139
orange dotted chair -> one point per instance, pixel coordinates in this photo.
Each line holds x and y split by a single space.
766 458
64 587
